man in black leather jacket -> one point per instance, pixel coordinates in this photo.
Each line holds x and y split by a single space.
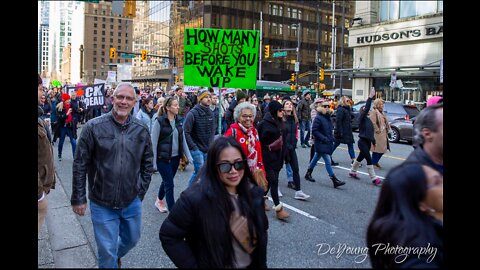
115 151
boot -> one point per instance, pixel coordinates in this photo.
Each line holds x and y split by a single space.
333 162
280 212
371 172
265 203
353 170
336 182
353 160
308 175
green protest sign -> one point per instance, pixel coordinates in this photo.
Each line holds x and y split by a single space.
56 83
225 58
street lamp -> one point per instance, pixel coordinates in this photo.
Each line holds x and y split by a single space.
297 63
81 62
174 68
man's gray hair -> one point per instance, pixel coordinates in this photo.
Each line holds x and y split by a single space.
244 105
426 119
123 84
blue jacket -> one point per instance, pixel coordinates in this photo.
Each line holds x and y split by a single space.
322 130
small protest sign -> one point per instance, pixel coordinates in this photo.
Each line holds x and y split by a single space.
90 95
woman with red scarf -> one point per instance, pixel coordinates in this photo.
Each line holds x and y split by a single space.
65 122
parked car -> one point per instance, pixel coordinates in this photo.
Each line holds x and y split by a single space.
392 110
402 129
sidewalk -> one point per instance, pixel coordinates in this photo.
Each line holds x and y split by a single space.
62 243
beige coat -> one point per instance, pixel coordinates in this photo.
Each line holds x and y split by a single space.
381 128
46 171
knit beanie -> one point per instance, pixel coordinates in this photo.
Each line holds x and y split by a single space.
305 92
65 96
203 93
274 106
239 95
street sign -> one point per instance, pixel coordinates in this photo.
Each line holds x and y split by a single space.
279 54
297 66
127 55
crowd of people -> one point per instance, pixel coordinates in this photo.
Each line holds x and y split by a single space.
237 148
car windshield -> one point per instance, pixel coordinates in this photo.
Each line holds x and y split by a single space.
412 111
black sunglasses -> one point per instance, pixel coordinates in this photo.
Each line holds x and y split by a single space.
227 167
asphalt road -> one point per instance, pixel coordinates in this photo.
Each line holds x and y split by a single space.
326 231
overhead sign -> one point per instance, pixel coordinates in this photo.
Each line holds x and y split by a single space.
279 54
221 57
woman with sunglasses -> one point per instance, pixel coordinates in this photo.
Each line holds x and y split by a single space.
219 221
169 145
408 215
322 130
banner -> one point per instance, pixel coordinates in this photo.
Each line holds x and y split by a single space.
90 95
221 57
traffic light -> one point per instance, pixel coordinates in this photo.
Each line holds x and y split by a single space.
176 78
322 74
113 53
267 51
129 8
144 55
293 77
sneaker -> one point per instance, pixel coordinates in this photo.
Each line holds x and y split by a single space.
303 145
299 195
377 181
291 185
59 158
280 193
160 204
354 175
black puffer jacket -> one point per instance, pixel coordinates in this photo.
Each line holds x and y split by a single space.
199 128
268 132
343 125
118 159
365 125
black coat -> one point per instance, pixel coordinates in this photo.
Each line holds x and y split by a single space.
343 125
182 233
268 132
365 125
420 156
322 130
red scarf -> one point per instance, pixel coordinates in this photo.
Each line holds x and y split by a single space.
67 106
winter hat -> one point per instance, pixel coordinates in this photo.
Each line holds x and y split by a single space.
202 93
319 100
434 100
240 94
274 106
305 92
65 96
266 97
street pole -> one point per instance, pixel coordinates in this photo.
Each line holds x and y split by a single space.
298 58
319 62
260 49
341 53
334 43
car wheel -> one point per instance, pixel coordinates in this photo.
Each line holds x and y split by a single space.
394 136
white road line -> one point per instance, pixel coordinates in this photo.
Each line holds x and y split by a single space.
348 169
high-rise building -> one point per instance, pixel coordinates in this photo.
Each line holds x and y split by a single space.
42 64
97 29
167 21
398 49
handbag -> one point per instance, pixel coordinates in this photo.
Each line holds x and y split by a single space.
239 228
277 144
260 179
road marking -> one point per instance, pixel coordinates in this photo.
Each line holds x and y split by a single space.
399 158
348 169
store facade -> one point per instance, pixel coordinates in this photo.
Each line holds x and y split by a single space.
398 49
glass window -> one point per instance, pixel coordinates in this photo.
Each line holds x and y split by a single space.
103 46
94 38
95 59
111 40
103 53
94 52
280 10
394 10
103 25
426 7
407 9
94 32
111 26
103 39
103 33
280 29
440 6
111 33
95 25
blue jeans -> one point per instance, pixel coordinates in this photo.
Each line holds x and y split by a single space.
289 171
351 151
304 124
376 157
326 158
167 171
64 131
116 231
198 159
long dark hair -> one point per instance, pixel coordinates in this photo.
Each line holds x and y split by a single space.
397 218
219 246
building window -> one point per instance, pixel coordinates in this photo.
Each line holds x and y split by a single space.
111 40
111 34
95 46
94 32
94 52
95 19
119 27
103 53
103 39
95 25
111 20
111 26
94 66
94 38
103 33
103 19
396 9
94 59
103 60
119 41
119 47
103 46
103 26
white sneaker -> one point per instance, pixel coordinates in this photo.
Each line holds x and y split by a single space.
160 204
299 195
279 193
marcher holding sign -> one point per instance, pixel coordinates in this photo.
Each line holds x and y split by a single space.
221 57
